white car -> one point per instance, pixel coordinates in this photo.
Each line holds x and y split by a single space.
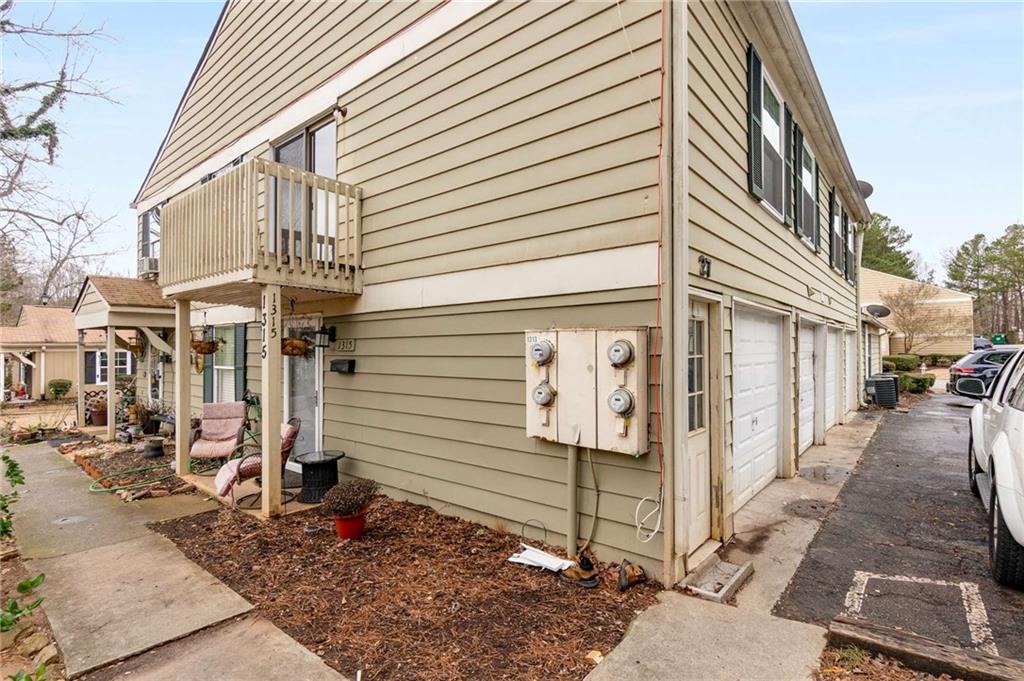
996 465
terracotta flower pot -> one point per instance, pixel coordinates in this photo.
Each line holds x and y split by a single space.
99 417
351 526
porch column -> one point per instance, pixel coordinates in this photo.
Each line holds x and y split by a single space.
3 376
80 381
111 384
271 407
182 385
42 372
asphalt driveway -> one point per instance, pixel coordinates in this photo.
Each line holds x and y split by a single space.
906 544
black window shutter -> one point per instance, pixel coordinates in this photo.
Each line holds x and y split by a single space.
833 248
239 361
798 180
789 198
848 260
755 139
90 368
208 372
817 209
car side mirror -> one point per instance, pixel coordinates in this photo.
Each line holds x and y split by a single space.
971 387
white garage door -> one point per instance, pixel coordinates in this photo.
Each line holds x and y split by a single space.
756 375
852 386
832 357
806 386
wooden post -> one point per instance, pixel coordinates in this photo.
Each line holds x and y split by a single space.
111 384
182 385
80 369
42 372
271 407
3 376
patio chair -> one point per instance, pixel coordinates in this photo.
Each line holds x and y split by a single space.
218 436
251 466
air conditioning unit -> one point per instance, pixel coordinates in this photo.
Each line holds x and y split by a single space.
149 266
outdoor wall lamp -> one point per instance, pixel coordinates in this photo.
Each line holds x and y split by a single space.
325 336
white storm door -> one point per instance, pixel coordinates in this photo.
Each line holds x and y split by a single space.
831 378
303 386
698 442
756 400
806 341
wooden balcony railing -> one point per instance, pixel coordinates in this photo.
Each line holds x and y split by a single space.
262 223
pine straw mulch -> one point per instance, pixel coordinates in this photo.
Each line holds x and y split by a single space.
99 459
419 596
849 663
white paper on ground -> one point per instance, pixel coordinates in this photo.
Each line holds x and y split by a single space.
537 558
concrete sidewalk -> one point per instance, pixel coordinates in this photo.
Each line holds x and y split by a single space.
685 638
115 589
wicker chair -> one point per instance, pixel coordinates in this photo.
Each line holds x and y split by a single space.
251 466
218 437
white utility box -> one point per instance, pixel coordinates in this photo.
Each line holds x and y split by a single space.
542 384
622 390
588 387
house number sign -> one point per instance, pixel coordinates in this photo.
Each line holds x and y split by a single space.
269 316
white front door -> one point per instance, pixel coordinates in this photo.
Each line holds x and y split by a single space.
831 378
698 444
756 400
303 385
852 384
806 424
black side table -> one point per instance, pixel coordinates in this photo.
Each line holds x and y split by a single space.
319 474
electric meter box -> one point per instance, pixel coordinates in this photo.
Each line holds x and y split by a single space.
542 384
588 387
622 390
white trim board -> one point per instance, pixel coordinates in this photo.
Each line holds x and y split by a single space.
325 97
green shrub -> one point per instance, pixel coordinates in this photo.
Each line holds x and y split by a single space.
905 379
944 363
904 362
58 387
888 366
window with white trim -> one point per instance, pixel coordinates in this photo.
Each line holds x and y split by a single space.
224 364
851 266
122 365
772 149
809 195
836 234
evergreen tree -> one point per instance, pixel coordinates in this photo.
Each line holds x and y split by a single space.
885 248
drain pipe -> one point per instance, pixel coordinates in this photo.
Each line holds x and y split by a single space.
572 519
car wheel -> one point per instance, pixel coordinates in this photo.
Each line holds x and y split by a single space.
972 467
1006 556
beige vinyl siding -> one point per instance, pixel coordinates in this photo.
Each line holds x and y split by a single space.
754 255
265 57
436 413
92 302
876 352
527 132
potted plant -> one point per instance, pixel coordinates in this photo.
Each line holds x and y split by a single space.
347 502
98 413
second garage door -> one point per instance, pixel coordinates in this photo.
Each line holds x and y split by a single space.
806 386
756 400
832 358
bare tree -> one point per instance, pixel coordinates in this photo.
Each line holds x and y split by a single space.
53 236
917 315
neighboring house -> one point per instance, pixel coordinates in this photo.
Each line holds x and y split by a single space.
941 319
876 343
431 181
43 346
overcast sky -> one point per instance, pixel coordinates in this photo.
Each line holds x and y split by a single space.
927 98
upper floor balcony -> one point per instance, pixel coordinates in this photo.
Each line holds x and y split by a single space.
262 223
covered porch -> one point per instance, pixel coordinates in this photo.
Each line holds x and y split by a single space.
116 305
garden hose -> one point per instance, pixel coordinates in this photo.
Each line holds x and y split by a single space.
97 486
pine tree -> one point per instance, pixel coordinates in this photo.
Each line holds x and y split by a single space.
885 248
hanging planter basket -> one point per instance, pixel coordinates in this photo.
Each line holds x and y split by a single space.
294 347
204 347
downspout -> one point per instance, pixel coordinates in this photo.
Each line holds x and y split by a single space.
858 247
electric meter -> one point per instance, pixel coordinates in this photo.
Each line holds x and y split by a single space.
621 402
542 352
620 353
543 394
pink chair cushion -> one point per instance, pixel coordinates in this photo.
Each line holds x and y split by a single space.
252 465
221 420
212 449
226 477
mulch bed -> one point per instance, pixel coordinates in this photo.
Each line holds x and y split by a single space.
420 596
849 663
98 460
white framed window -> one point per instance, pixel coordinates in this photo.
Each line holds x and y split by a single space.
808 195
224 364
772 149
122 365
836 235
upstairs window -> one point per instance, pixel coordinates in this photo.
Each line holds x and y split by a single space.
771 121
851 266
765 137
809 214
836 239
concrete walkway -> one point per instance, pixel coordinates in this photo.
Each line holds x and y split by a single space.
115 589
687 638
